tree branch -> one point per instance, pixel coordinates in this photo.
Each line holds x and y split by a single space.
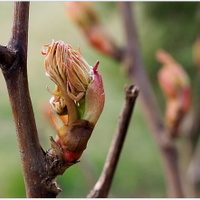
193 170
193 138
16 79
103 185
138 75
38 167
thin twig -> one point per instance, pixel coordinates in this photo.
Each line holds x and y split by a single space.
103 185
138 75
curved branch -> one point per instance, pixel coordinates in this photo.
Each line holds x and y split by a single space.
103 185
138 75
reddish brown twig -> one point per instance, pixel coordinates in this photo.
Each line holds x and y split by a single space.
138 75
103 185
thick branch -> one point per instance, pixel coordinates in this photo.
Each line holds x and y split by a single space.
138 75
103 185
13 61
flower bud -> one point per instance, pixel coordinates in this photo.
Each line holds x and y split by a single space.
84 15
175 85
78 97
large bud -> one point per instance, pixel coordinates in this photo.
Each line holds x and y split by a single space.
78 97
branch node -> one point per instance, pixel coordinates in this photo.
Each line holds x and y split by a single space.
55 160
7 57
131 91
55 165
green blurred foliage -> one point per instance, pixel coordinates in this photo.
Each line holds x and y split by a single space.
172 26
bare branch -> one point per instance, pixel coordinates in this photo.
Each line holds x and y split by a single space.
103 185
37 169
17 84
138 75
193 133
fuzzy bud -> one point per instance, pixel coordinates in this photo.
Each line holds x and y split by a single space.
78 97
85 16
175 85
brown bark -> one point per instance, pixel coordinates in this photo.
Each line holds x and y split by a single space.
103 185
39 168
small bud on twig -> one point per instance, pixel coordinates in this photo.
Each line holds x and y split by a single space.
175 85
85 16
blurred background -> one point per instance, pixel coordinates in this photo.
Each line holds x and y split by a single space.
169 25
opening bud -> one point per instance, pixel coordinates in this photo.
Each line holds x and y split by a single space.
78 97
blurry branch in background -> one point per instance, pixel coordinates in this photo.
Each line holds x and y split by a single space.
195 126
85 16
102 187
176 88
86 19
161 135
193 135
193 170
